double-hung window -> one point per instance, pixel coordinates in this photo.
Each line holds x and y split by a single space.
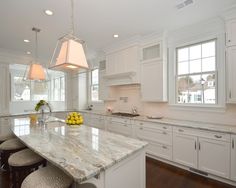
95 85
196 78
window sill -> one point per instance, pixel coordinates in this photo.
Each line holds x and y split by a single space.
198 108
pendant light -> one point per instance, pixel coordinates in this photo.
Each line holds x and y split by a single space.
71 55
36 70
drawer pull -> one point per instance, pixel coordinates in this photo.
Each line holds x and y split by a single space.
164 132
164 127
181 130
232 143
195 145
140 128
125 125
199 146
140 123
164 147
218 136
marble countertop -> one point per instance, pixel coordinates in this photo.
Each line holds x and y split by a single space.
224 128
82 152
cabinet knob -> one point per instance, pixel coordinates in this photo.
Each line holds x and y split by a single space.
164 132
164 127
164 147
140 123
141 128
229 40
181 130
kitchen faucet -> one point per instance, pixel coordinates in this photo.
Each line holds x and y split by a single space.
134 110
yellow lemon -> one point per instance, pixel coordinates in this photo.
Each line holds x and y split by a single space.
69 121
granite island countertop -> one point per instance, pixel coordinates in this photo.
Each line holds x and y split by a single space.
82 152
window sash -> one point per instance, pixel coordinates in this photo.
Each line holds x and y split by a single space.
197 73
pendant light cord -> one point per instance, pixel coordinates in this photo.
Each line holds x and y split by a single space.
72 17
36 30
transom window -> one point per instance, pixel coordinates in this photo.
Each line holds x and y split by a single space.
196 73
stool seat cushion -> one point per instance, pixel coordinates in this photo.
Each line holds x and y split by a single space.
24 157
12 144
6 136
48 177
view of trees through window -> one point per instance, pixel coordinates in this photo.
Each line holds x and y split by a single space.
23 90
196 73
94 85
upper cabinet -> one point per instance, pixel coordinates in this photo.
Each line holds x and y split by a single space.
231 32
231 60
151 52
122 66
153 73
230 74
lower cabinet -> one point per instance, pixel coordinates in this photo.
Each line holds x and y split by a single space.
206 151
97 121
158 136
233 158
214 157
184 148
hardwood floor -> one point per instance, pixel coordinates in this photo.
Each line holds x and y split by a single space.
160 175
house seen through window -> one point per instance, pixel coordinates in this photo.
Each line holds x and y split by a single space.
196 73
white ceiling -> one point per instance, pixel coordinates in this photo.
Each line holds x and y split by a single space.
96 20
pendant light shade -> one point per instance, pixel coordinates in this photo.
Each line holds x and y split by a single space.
71 55
36 72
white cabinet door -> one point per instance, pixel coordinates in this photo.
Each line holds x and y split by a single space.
97 122
231 76
185 150
214 157
153 81
231 33
233 157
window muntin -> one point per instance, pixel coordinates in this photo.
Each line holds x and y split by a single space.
196 73
95 85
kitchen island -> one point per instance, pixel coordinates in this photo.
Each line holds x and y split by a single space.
87 154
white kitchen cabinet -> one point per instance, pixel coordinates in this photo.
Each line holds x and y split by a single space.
151 51
158 136
231 32
231 76
153 81
214 157
120 126
233 158
185 149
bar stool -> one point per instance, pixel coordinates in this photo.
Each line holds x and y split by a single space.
7 148
6 136
22 163
48 177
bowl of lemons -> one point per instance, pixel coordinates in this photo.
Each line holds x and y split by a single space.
74 119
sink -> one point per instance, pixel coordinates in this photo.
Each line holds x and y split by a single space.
125 114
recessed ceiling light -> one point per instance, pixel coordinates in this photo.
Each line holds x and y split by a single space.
48 12
115 35
26 40
28 52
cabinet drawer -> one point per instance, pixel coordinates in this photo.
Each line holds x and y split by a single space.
215 136
119 120
156 135
155 125
120 128
159 150
95 116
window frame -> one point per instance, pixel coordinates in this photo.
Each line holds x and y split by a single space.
91 85
215 72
